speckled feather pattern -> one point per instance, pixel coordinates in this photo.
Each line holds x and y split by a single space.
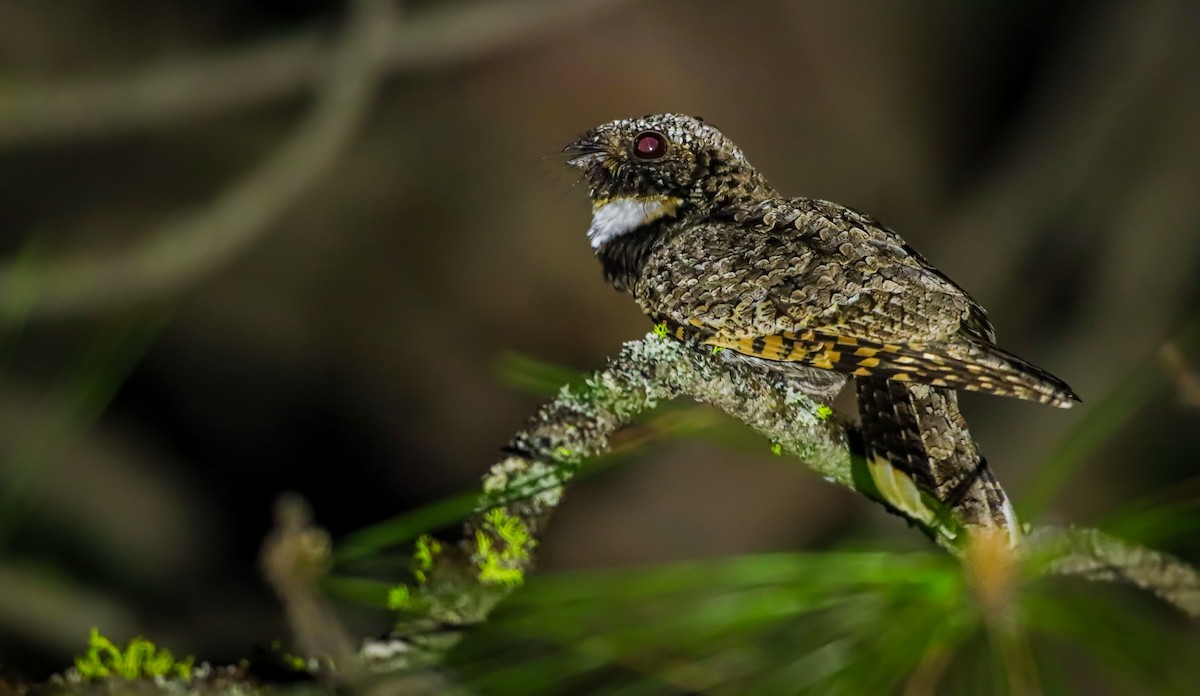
919 430
788 280
808 288
814 282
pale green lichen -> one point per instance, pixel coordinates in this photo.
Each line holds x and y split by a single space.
503 547
424 554
617 397
499 476
537 483
794 397
140 659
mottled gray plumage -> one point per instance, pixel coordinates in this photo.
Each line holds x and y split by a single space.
729 262
713 253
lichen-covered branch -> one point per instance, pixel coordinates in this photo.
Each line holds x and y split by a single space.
459 584
1094 555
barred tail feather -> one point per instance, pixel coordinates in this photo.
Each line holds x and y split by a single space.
975 366
971 363
923 460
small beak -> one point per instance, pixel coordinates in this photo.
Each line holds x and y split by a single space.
589 152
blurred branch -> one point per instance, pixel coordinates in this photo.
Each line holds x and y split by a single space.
272 70
294 557
1101 87
347 76
1108 415
1181 372
189 247
1093 555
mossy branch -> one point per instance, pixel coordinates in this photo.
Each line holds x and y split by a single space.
459 584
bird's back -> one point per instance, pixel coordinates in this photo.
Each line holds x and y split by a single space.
814 282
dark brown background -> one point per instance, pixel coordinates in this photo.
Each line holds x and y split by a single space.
1045 155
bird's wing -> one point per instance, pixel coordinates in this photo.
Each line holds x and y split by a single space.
812 282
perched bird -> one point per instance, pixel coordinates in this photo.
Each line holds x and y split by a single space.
683 222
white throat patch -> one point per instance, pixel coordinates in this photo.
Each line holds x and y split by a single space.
619 216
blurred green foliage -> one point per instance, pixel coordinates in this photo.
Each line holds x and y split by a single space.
830 622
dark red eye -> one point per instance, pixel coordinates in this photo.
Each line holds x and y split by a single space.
649 145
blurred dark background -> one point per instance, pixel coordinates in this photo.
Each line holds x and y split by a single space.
346 345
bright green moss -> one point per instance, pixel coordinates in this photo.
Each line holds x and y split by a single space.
141 659
502 563
397 597
427 549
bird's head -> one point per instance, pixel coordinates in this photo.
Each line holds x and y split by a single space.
644 169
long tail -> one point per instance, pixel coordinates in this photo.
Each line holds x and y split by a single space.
970 364
923 460
985 367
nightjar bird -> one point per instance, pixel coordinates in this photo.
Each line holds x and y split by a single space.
683 222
